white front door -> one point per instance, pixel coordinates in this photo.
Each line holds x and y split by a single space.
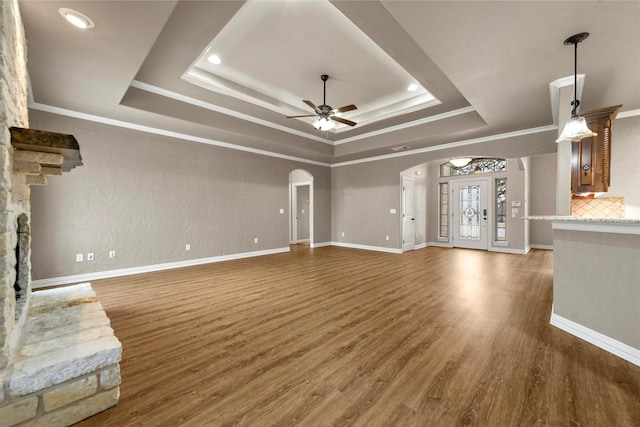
470 214
408 214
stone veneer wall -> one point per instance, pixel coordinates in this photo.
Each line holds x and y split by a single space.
14 192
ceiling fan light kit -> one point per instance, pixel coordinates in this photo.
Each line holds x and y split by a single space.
324 124
576 128
327 116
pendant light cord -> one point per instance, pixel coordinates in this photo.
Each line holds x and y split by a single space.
575 103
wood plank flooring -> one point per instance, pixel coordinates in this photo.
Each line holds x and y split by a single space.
340 337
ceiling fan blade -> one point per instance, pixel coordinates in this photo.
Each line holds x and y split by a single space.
345 121
345 108
306 115
310 104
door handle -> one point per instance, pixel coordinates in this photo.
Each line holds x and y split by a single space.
413 219
484 214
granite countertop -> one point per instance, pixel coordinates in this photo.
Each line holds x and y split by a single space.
579 219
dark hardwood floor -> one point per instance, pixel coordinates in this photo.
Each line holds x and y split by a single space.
337 337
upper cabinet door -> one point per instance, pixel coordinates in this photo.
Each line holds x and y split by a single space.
590 165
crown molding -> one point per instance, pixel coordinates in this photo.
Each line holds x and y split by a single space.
186 137
163 132
212 107
627 114
407 125
451 145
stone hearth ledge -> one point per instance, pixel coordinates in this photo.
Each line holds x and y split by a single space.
67 335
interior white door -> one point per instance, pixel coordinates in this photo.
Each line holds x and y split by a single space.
470 214
408 214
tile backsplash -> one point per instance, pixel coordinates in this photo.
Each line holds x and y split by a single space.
598 207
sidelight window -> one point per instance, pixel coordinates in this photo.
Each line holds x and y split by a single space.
444 210
500 231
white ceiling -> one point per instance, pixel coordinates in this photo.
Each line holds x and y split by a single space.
488 64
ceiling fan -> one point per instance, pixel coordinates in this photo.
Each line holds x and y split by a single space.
326 114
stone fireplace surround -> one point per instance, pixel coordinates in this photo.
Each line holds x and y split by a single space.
58 354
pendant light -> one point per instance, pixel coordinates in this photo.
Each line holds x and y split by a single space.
576 128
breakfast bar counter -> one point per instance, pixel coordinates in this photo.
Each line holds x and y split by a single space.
596 281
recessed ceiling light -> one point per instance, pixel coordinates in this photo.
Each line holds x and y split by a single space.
76 18
214 59
412 87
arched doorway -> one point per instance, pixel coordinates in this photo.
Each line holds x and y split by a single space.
300 207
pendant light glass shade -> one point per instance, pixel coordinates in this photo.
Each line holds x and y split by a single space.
575 130
460 161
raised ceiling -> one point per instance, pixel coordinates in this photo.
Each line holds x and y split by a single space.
482 69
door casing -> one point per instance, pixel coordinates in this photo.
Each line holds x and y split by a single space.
408 214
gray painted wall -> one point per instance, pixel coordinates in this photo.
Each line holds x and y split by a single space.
625 161
596 278
146 196
542 197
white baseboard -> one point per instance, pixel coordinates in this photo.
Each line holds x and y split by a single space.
421 246
367 247
78 278
611 345
545 247
509 250
440 244
320 245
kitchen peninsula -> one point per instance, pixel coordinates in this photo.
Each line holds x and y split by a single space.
596 281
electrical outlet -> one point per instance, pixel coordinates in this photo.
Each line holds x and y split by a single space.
255 240
343 234
112 254
187 247
90 256
387 237
79 257
281 211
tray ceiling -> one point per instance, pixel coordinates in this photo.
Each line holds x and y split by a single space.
482 69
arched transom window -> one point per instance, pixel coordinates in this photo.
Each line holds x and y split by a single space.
477 165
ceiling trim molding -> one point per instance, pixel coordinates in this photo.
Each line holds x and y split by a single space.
554 92
212 107
186 137
451 145
163 132
407 125
627 114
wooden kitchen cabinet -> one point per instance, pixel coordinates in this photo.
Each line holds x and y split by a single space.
590 158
